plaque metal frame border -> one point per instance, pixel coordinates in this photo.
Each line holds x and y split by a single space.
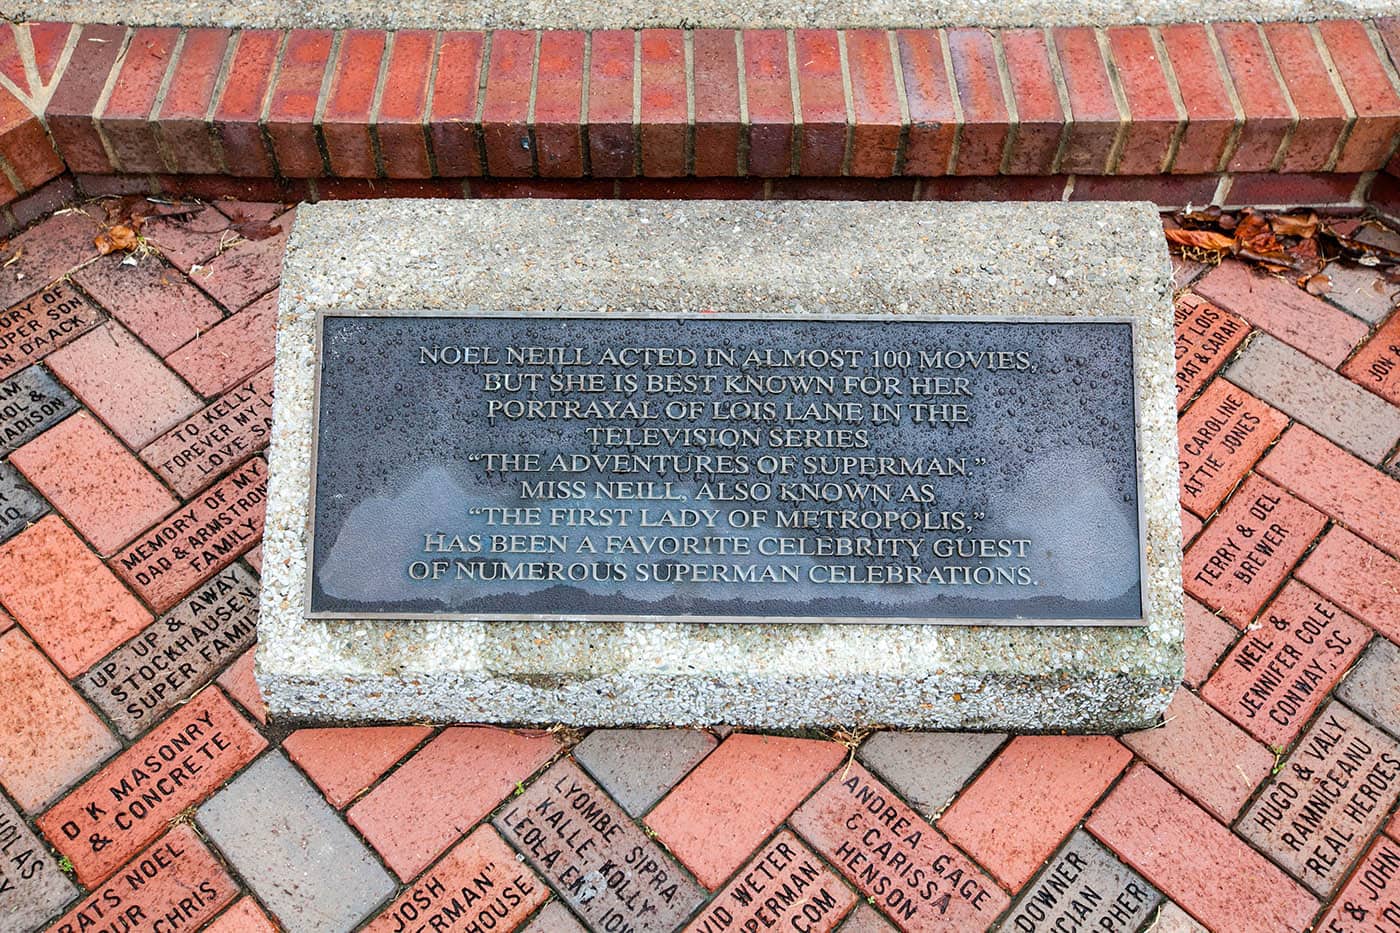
673 618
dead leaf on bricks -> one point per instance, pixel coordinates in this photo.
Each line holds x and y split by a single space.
126 216
1201 239
120 237
250 229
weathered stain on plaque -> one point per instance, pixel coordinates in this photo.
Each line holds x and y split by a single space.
731 468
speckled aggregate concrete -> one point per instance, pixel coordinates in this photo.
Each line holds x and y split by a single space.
539 14
1077 260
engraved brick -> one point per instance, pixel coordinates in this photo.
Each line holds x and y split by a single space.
198 540
30 402
155 302
1204 754
638 766
344 761
1373 686
1283 309
1028 799
1370 902
123 383
949 892
1196 861
130 801
1278 674
1332 480
1206 335
1083 886
40 324
20 505
1332 793
32 887
52 738
231 350
64 597
296 854
598 860
176 882
1361 579
928 768
478 882
1330 404
734 799
784 883
177 654
218 438
1247 550
105 492
1219 438
420 809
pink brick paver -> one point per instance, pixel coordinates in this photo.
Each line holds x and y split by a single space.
1291 583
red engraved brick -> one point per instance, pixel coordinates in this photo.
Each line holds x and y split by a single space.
1371 897
238 112
1195 860
66 600
126 119
176 877
403 100
345 120
612 126
665 107
1204 754
194 750
506 109
107 494
345 761
183 118
482 864
454 125
1328 797
24 145
949 892
1040 118
59 313
1098 125
1210 113
821 89
1323 332
879 123
714 819
1247 550
715 54
1368 86
1376 366
769 83
1328 478
1017 811
69 113
928 88
218 438
1278 674
1219 439
784 881
1153 120
1321 115
1267 113
1206 335
197 541
291 106
420 809
1361 579
559 104
986 119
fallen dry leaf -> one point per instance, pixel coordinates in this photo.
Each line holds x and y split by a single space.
119 237
1201 239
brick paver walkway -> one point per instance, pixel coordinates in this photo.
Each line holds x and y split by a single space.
145 790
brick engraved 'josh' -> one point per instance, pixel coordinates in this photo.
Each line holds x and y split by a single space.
594 856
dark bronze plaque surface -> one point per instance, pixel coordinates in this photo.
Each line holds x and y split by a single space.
726 468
